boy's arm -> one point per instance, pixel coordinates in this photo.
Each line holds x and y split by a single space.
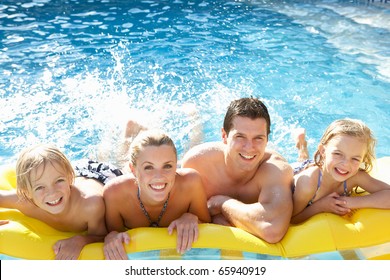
93 213
9 199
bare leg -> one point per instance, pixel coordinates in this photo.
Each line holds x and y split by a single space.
195 126
300 142
131 130
115 144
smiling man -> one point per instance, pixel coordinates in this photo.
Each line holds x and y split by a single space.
247 185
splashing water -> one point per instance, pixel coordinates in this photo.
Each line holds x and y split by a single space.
72 73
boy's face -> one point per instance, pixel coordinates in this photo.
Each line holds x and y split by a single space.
246 142
156 172
50 187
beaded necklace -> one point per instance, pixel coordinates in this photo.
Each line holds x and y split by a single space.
151 223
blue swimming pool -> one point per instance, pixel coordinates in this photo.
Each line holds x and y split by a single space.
73 70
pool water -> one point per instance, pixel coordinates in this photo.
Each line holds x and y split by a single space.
72 71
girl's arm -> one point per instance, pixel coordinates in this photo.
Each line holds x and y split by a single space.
305 189
327 204
378 192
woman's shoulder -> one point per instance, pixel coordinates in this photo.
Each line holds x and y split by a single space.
120 184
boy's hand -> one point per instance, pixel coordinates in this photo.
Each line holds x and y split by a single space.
69 249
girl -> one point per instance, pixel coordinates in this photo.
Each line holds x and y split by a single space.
342 161
156 194
48 190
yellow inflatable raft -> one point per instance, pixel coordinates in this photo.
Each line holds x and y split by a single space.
363 235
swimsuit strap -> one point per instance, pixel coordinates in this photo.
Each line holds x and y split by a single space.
346 193
319 180
318 187
151 223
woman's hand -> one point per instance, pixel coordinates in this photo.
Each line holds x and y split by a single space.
113 245
187 231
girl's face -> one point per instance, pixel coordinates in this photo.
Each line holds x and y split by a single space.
155 172
50 188
343 156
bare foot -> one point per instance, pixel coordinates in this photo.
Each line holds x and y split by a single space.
196 127
133 128
299 136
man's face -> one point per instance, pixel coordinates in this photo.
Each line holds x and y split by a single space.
246 142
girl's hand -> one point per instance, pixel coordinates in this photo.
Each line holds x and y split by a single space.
187 231
113 245
3 222
333 203
69 249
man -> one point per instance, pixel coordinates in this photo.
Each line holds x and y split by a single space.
247 186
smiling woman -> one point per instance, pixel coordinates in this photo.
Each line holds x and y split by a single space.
360 235
155 194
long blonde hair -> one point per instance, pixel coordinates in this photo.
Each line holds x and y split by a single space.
354 128
33 157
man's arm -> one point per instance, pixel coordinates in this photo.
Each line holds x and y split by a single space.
269 218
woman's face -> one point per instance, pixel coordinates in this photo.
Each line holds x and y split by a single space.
155 172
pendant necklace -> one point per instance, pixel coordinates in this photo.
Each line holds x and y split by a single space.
151 223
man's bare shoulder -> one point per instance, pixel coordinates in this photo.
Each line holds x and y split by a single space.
202 151
275 168
188 176
275 158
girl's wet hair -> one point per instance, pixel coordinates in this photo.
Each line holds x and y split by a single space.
354 128
33 157
149 138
